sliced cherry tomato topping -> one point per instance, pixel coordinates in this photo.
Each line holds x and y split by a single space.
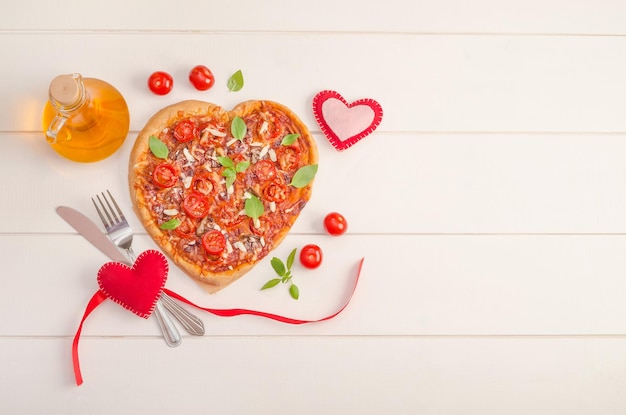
275 128
311 256
229 216
201 77
335 224
214 242
160 83
265 170
186 229
203 184
276 192
196 205
185 130
164 175
288 157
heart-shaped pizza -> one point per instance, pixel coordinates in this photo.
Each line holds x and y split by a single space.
218 190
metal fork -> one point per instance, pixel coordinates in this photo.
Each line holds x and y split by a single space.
120 232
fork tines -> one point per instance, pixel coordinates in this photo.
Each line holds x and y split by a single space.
109 213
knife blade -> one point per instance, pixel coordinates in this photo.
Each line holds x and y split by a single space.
90 231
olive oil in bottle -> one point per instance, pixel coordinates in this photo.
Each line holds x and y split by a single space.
85 119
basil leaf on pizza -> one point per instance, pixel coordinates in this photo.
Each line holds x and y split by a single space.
238 128
289 139
231 189
158 148
170 224
254 207
242 166
304 176
226 162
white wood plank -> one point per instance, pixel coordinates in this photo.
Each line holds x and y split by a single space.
424 183
434 16
493 278
410 285
424 83
317 375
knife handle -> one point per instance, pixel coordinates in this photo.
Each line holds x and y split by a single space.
189 321
170 332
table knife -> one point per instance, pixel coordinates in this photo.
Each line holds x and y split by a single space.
90 231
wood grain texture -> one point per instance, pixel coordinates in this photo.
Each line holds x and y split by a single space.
424 83
313 375
552 17
489 207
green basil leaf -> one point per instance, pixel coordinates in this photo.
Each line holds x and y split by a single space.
278 266
290 139
291 258
158 147
226 162
229 172
242 166
254 207
170 224
304 176
271 283
235 82
294 291
230 180
238 128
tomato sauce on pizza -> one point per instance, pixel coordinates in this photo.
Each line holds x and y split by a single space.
217 189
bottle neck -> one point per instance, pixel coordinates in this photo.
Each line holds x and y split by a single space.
67 93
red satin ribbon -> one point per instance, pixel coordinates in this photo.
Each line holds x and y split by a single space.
99 297
95 301
242 311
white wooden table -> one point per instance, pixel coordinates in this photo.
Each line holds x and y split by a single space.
490 208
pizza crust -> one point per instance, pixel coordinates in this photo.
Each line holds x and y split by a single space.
140 152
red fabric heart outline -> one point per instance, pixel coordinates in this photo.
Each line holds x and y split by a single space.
135 288
343 123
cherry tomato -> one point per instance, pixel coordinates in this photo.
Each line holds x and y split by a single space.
196 205
164 175
185 130
276 192
201 77
265 170
288 157
203 184
275 128
311 256
335 224
229 216
186 229
214 242
160 83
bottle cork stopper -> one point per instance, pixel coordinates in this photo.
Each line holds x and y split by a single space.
65 90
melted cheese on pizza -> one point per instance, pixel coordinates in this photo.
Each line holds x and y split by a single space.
198 198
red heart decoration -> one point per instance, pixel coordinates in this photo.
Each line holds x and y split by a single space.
138 288
345 123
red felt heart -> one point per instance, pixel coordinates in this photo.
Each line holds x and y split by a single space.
138 288
345 123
